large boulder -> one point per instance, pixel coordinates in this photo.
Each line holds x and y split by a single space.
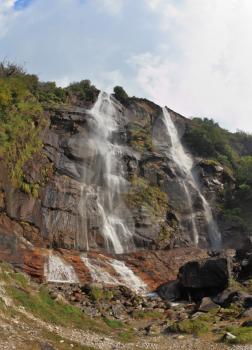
171 291
206 277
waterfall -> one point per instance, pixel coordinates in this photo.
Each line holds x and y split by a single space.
107 177
113 272
58 271
128 277
98 272
185 165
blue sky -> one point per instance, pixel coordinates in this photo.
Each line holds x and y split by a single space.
21 4
192 55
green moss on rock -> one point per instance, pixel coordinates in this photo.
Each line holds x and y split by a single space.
140 137
148 196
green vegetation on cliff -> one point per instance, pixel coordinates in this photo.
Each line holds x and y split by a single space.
24 101
21 122
140 137
233 151
150 197
121 95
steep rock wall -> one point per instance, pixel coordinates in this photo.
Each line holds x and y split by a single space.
65 215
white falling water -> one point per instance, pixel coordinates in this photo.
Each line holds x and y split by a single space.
185 163
123 275
58 271
108 177
98 272
128 277
109 230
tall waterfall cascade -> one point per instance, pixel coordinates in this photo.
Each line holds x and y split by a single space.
185 164
107 182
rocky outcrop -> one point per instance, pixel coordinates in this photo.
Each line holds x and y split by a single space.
198 279
204 274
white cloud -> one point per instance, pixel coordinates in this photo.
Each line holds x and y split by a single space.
192 55
113 7
206 69
6 5
6 13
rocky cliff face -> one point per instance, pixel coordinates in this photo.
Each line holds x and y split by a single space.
65 214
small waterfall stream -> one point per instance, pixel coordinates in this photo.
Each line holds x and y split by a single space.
113 272
185 164
98 272
58 271
128 277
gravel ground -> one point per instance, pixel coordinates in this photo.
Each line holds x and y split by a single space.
15 334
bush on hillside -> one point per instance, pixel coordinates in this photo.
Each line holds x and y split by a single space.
121 95
83 90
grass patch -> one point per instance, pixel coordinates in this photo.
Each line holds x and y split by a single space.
126 336
231 313
41 305
196 327
98 294
243 335
115 324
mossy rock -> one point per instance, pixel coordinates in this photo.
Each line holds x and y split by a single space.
150 197
140 137
196 327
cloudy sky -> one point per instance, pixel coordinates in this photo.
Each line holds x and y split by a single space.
193 55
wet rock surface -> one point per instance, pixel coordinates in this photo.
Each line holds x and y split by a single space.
65 212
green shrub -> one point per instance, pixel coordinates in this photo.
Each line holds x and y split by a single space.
244 171
83 90
121 95
49 93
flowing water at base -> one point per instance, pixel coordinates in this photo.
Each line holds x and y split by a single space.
98 271
128 277
114 272
58 271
